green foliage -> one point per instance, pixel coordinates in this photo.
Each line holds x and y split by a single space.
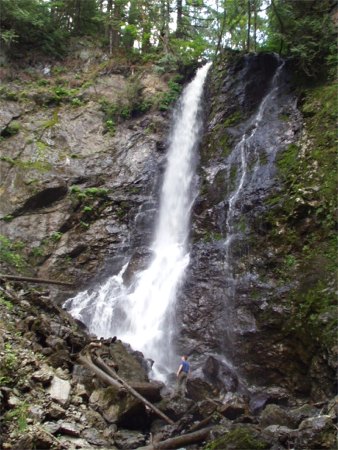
56 236
130 104
19 414
10 253
93 192
188 51
8 218
10 360
303 29
62 95
167 63
6 303
12 128
7 94
29 23
51 122
168 98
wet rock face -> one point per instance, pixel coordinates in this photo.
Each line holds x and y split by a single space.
232 307
77 196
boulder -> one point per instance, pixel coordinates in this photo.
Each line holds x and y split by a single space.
234 407
59 390
316 432
275 415
118 407
126 439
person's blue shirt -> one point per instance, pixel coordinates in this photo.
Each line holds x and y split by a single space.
185 366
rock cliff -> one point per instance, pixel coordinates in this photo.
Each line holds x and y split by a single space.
82 152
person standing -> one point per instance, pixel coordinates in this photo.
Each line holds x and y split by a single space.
182 376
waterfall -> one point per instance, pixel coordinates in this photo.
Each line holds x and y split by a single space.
242 155
142 314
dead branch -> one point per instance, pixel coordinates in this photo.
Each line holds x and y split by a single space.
180 441
35 280
100 373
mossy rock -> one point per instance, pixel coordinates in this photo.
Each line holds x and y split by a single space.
240 438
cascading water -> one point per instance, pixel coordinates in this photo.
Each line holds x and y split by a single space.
142 315
245 152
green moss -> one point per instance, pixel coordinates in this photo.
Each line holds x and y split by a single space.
212 236
51 122
12 128
40 166
225 144
238 439
233 119
7 94
301 222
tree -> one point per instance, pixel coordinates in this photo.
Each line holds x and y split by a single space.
304 30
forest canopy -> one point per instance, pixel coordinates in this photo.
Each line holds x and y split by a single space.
175 30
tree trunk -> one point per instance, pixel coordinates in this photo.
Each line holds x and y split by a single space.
281 25
221 33
255 25
179 31
249 27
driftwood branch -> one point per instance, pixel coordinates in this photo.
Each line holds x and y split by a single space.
100 373
98 361
35 280
203 422
180 441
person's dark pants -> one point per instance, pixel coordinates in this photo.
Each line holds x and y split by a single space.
182 383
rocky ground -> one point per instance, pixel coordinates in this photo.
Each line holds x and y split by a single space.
50 401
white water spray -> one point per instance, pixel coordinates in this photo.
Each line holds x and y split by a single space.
142 315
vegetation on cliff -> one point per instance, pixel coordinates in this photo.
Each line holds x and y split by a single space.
302 221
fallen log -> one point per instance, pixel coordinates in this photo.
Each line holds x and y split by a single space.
180 441
100 373
151 391
35 280
203 422
98 361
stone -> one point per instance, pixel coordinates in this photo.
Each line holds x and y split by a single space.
51 427
233 407
13 401
55 411
129 439
71 429
278 433
316 432
275 415
94 437
297 415
35 438
37 412
59 390
117 407
44 375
